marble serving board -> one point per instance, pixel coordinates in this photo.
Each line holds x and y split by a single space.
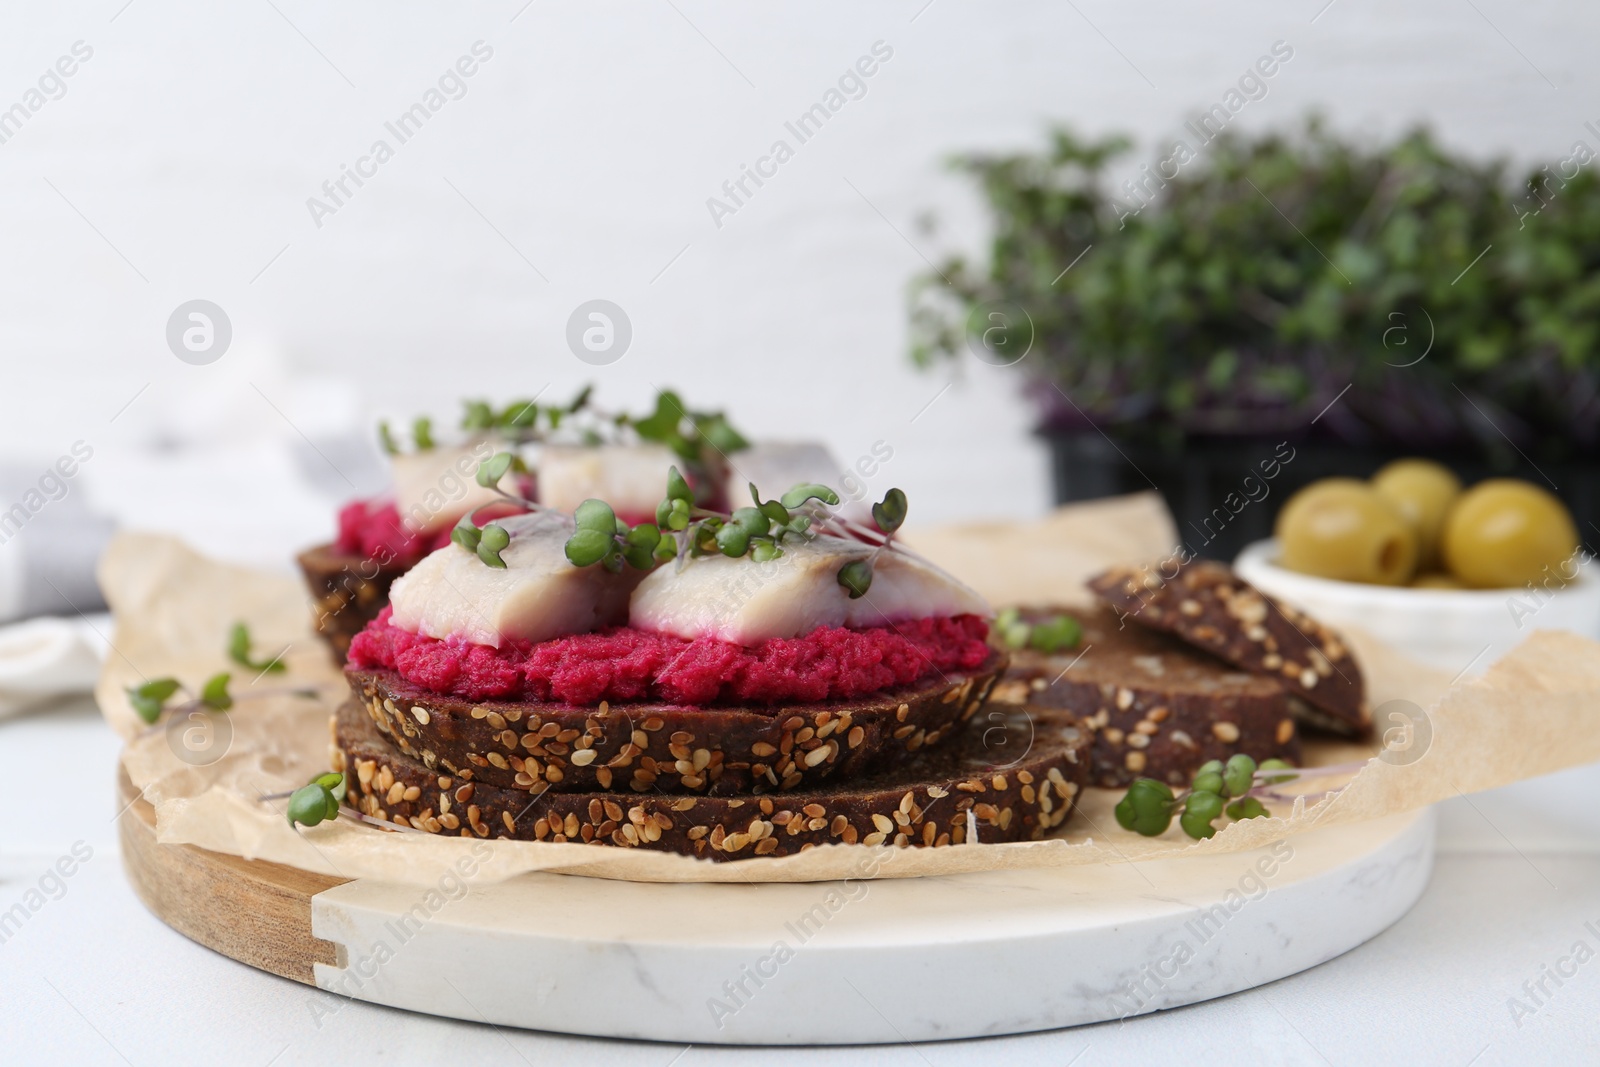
847 962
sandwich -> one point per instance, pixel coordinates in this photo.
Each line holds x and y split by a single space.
721 684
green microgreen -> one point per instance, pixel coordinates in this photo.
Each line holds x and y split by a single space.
520 419
477 416
239 651
1051 634
491 470
422 433
890 513
318 800
757 531
492 540
856 577
150 699
154 697
1149 806
465 534
214 694
807 492
390 446
688 433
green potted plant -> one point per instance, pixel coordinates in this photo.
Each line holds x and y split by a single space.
1280 296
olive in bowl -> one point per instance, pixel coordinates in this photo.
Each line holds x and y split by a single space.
1504 532
1345 529
1423 492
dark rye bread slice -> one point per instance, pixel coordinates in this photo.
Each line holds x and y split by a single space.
668 748
1158 708
348 590
1209 606
932 797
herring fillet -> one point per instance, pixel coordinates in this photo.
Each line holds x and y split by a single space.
746 602
776 466
537 596
631 478
435 487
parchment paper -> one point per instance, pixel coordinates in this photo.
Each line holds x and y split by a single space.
1535 711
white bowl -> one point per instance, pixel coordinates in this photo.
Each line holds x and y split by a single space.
1459 630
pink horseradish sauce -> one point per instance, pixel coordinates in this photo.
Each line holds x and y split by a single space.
624 664
374 530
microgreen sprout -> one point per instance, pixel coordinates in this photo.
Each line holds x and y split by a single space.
422 433
698 437
150 699
688 433
239 651
757 531
154 697
214 694
1053 633
520 419
421 436
1149 806
317 801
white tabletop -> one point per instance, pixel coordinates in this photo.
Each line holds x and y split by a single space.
93 978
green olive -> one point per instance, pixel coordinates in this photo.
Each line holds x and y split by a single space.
1343 528
1436 580
1504 532
1422 491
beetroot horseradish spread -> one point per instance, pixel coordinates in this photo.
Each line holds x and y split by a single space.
625 664
373 530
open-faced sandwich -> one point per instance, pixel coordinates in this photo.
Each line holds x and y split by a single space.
716 683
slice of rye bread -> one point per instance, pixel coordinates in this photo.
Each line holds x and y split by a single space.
348 590
925 799
537 747
1158 708
1212 608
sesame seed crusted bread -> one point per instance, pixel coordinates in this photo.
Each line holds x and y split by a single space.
1210 607
535 746
933 797
348 590
1158 708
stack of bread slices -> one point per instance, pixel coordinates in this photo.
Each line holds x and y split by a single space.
1185 663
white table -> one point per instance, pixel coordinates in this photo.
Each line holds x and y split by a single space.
92 978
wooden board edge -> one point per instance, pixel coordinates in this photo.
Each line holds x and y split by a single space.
252 911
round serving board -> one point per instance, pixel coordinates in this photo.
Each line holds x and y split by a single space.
914 959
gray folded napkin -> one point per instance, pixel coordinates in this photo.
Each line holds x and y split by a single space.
49 544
